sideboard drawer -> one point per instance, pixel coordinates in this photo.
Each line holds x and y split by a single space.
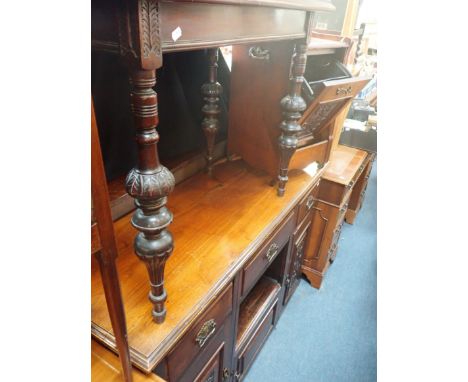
307 203
260 262
247 355
200 334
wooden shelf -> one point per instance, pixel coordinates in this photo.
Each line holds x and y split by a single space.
219 223
255 306
105 367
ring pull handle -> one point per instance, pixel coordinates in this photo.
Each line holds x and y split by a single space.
206 331
258 53
272 251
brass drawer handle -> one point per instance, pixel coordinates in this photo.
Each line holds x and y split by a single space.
361 167
258 53
272 251
310 202
344 91
350 185
206 331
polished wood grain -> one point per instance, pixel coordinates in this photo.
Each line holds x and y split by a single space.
220 223
107 253
105 367
344 164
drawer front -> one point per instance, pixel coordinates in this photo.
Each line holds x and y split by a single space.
247 356
200 334
260 262
307 203
212 372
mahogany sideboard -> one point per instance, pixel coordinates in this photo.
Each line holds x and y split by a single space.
215 294
140 31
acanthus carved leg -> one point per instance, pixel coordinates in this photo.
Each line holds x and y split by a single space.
150 183
292 104
211 92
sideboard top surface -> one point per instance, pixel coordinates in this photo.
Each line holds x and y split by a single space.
344 163
218 224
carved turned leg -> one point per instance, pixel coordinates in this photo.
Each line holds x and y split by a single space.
211 92
292 105
150 183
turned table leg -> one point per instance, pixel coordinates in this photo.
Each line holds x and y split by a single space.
211 92
150 183
292 104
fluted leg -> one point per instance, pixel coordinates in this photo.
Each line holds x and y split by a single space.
292 104
150 183
211 92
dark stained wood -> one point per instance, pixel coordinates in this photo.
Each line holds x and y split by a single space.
149 184
301 238
202 24
211 91
249 352
236 221
106 250
273 246
254 117
200 334
292 105
254 306
212 25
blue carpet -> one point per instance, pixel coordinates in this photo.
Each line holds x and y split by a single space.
329 335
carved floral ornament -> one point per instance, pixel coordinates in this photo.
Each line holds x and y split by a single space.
150 28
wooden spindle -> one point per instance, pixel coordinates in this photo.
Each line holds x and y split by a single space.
211 92
292 104
150 183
